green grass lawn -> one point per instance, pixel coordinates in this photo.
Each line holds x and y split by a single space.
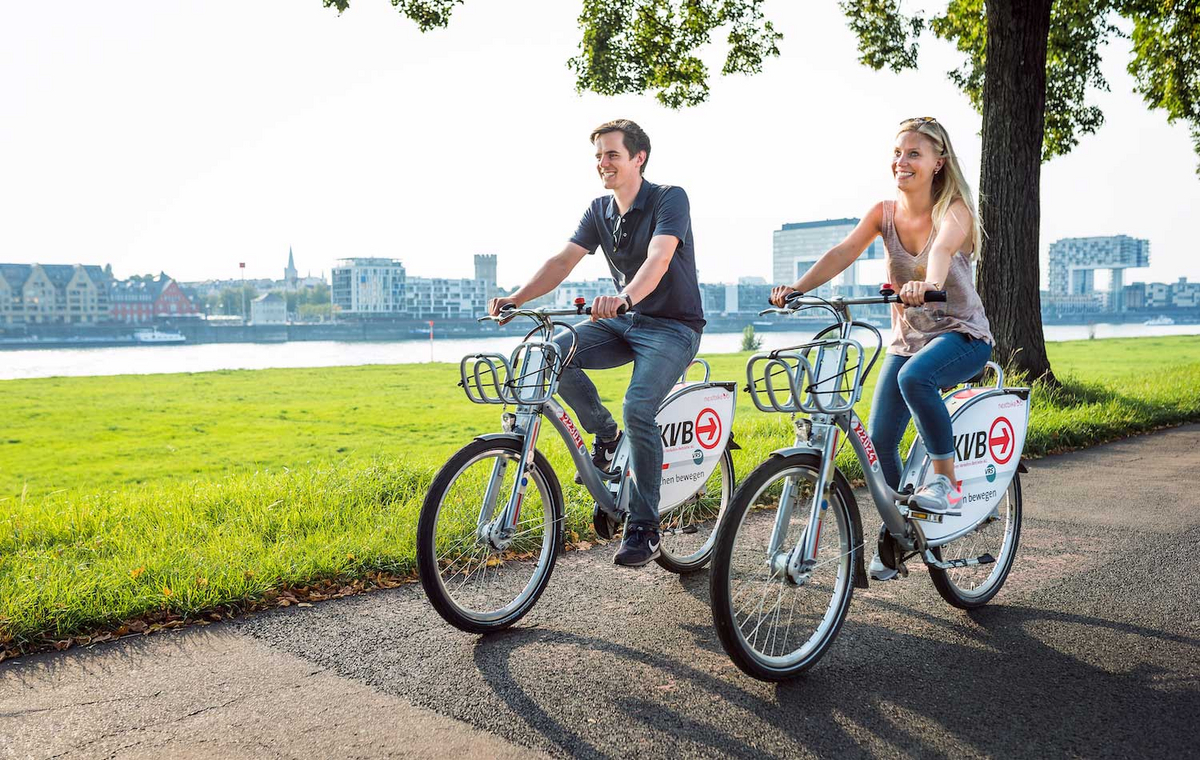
125 495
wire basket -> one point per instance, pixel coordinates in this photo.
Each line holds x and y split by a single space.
812 378
528 377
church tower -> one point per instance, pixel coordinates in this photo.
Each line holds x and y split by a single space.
290 276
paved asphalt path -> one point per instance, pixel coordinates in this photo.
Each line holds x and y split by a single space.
1091 650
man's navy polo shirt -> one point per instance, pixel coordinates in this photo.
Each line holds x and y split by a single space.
657 210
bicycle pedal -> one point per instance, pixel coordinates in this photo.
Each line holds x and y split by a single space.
604 525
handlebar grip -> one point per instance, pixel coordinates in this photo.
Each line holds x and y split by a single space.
620 310
935 296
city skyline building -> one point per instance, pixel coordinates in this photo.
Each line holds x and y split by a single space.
1075 261
380 287
796 246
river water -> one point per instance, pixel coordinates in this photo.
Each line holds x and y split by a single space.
147 360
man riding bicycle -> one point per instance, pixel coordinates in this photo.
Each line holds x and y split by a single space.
645 232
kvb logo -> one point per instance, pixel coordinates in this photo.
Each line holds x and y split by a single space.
677 433
708 429
1002 441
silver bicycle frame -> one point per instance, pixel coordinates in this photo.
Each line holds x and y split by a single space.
611 493
822 436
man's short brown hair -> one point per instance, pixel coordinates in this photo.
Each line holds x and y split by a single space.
633 137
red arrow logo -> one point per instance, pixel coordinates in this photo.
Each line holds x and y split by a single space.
1000 444
708 428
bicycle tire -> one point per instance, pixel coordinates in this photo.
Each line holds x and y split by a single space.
675 538
729 559
951 583
543 545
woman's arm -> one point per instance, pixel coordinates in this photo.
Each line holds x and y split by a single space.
836 259
956 230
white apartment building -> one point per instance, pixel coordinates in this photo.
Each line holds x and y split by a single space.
268 309
798 245
371 287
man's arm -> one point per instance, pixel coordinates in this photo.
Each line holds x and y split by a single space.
549 277
649 274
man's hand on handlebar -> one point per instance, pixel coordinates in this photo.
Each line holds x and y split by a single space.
496 304
607 307
779 295
912 293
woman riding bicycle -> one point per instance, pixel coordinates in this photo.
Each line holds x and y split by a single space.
930 234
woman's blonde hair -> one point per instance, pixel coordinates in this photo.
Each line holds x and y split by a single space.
949 183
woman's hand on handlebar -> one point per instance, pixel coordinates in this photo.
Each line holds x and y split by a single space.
912 293
779 295
496 304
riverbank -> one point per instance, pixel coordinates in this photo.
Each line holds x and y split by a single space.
123 498
144 360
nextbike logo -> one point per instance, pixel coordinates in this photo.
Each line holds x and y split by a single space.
865 440
570 425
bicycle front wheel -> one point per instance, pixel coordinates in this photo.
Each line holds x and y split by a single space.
474 585
775 625
689 530
975 585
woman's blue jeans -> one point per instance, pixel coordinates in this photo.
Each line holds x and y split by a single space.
660 350
911 387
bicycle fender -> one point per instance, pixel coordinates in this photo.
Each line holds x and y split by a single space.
499 437
843 485
790 450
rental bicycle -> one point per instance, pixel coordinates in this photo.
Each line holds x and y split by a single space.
789 551
491 526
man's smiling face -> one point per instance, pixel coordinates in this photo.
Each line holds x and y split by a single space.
613 162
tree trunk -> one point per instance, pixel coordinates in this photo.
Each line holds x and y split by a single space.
1014 102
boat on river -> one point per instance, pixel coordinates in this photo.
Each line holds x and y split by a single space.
154 335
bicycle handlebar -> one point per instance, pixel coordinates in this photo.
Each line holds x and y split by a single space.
796 301
510 311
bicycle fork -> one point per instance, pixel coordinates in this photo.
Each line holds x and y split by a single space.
797 563
500 531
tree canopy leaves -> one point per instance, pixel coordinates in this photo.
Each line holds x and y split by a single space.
639 46
635 46
426 14
1166 58
1165 65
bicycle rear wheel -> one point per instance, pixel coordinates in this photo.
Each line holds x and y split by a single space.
688 531
975 585
771 626
472 584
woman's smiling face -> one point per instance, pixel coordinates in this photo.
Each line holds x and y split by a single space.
915 160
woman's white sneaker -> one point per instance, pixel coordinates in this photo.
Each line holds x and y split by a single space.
938 496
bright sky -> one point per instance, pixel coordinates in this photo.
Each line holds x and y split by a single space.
188 136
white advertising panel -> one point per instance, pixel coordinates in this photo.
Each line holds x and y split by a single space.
989 434
695 427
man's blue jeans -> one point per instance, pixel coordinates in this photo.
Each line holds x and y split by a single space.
910 386
660 350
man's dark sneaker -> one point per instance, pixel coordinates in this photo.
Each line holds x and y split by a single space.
603 454
639 546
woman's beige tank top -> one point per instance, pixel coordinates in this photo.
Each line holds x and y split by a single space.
962 312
